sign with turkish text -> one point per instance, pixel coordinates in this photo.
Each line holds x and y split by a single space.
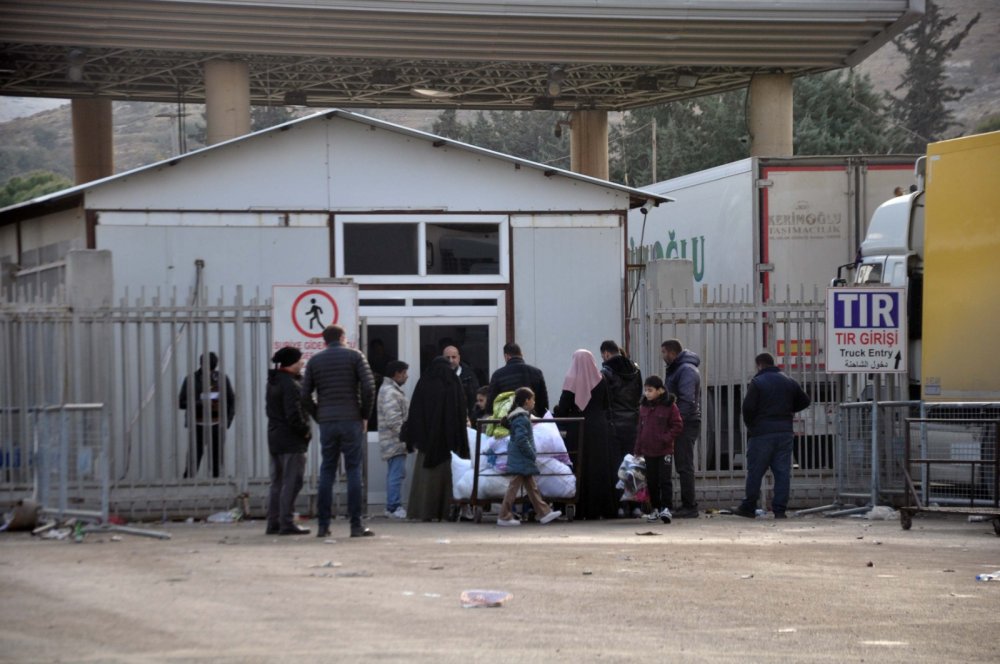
299 314
866 330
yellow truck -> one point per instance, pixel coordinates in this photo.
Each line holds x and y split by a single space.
942 242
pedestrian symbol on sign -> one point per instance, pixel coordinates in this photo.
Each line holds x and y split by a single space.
314 311
306 316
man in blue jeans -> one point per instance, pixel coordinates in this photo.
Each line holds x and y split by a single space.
771 400
345 392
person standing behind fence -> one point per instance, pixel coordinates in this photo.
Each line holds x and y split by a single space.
683 380
207 397
345 390
392 413
435 427
521 462
288 434
771 401
585 392
659 425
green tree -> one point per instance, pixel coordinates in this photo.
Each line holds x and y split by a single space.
922 111
525 134
32 185
690 135
839 112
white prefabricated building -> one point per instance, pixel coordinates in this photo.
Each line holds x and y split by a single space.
446 241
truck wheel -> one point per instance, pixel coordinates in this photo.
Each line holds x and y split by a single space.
453 513
570 512
905 520
477 514
996 527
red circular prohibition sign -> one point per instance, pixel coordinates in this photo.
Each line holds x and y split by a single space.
326 296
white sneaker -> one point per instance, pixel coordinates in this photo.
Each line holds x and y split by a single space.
665 515
508 522
551 516
398 513
653 516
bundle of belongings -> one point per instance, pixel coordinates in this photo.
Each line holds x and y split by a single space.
632 479
556 478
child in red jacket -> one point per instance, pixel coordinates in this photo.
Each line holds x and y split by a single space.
659 425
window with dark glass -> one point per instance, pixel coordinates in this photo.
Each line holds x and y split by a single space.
463 248
380 248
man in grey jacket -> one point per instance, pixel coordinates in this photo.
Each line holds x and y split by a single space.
345 392
683 380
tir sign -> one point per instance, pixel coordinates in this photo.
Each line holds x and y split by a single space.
866 330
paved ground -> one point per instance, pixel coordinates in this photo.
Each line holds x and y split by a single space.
716 589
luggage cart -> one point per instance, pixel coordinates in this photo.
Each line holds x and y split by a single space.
959 469
479 505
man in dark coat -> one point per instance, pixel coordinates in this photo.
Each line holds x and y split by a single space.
345 387
208 411
465 374
288 435
771 401
683 380
518 373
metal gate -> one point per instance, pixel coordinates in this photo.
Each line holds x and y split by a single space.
727 328
134 358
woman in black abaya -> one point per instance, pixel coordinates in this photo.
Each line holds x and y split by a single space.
435 428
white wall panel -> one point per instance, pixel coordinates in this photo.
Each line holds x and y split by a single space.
163 256
567 295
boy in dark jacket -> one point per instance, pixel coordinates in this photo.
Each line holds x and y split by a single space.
659 425
288 435
521 462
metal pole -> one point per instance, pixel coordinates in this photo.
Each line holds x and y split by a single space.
876 384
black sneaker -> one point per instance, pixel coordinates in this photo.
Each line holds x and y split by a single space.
294 530
361 532
780 515
322 532
686 513
739 511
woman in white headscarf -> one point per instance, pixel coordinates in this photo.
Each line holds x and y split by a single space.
585 393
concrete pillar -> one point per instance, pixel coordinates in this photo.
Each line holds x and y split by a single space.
93 144
771 115
227 100
588 145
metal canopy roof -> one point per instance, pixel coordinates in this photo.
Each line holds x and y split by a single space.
612 55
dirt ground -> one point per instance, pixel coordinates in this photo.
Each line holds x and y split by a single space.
715 589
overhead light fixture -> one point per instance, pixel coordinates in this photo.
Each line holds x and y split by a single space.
433 90
75 60
554 84
383 77
647 83
296 98
687 80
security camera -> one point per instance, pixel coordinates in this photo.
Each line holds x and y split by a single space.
647 206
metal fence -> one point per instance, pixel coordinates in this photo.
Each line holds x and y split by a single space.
727 328
134 358
962 439
72 470
867 473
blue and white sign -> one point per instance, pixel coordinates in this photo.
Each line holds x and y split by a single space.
866 330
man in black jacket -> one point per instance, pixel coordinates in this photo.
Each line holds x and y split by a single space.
345 390
209 402
518 373
465 374
771 401
625 388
